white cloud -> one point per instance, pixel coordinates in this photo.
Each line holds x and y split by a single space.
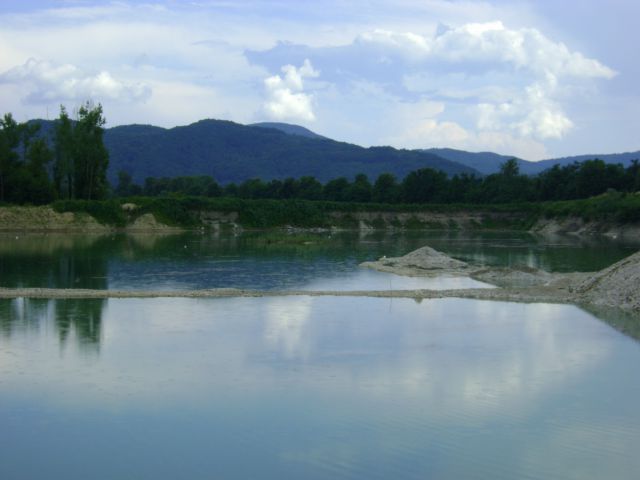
495 79
286 99
427 131
45 82
488 46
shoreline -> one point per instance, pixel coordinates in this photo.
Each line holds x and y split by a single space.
615 286
497 294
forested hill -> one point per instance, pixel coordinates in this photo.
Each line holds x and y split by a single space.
288 128
230 152
489 162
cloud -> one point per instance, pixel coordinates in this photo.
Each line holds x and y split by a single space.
486 46
45 82
495 79
286 99
494 82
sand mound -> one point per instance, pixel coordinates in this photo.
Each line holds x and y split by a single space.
423 261
617 285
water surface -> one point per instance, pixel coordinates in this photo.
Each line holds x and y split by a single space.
312 388
277 261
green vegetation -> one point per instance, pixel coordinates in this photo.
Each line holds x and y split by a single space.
68 166
265 214
423 186
80 159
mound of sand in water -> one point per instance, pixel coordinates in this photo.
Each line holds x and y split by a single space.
509 277
616 286
424 261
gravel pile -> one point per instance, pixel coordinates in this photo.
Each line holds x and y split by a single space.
616 286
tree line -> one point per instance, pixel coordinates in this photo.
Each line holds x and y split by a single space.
574 181
68 163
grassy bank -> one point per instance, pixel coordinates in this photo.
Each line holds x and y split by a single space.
187 212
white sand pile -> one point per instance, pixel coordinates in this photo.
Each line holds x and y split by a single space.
616 286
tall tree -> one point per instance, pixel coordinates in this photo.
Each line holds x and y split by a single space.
386 189
38 188
63 168
91 158
9 140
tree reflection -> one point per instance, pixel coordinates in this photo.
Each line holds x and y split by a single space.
54 261
82 317
79 318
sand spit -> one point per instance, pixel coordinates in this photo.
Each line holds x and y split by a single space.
515 295
617 286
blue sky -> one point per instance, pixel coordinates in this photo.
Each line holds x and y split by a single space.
536 79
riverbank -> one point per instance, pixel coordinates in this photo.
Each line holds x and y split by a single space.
613 215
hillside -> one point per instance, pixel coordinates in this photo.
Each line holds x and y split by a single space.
231 152
489 162
485 162
288 128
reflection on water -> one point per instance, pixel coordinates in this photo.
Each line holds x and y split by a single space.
272 261
622 320
319 387
81 319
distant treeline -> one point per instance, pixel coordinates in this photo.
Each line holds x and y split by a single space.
70 165
575 181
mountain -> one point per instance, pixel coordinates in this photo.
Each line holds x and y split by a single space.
230 152
485 162
624 158
488 162
288 128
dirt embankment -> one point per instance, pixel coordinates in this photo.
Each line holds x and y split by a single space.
44 218
579 226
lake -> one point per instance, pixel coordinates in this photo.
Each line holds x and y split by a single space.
306 387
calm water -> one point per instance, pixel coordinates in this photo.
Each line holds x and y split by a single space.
314 388
307 387
194 261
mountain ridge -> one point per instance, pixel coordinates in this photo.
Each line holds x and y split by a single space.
232 152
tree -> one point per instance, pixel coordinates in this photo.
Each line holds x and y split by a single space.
125 182
510 168
336 190
386 189
309 188
360 189
424 185
63 167
23 163
91 158
9 140
38 188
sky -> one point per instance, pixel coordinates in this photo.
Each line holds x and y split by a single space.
534 79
